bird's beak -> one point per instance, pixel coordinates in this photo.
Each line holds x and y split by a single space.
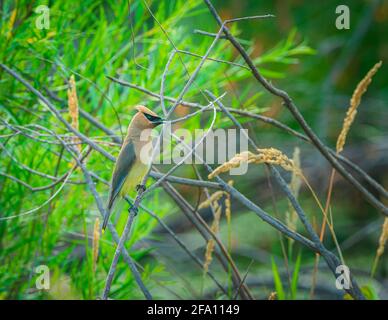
158 121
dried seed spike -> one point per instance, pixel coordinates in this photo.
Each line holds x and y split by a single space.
232 163
382 241
228 210
210 245
383 238
72 101
268 155
354 103
96 240
213 198
208 255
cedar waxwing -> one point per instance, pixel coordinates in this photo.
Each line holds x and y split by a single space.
130 169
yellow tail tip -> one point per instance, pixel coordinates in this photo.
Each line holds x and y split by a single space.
102 231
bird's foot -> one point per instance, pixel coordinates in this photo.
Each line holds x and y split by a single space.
141 187
134 209
131 207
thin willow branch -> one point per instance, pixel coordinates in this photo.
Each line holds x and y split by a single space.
42 188
215 60
162 104
186 181
118 252
209 34
38 173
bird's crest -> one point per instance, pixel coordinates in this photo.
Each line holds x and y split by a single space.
145 110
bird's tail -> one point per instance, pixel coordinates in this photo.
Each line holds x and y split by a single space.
106 219
108 211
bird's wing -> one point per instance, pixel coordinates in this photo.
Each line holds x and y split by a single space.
123 165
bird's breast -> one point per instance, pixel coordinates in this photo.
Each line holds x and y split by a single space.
134 177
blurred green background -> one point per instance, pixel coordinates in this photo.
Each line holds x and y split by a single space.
300 50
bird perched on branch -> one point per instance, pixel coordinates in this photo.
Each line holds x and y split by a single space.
134 158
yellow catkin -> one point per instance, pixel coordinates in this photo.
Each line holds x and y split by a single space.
354 103
268 155
383 238
96 240
72 101
210 245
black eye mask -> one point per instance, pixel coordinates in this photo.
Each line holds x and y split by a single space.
153 119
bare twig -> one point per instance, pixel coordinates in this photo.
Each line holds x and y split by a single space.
170 58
